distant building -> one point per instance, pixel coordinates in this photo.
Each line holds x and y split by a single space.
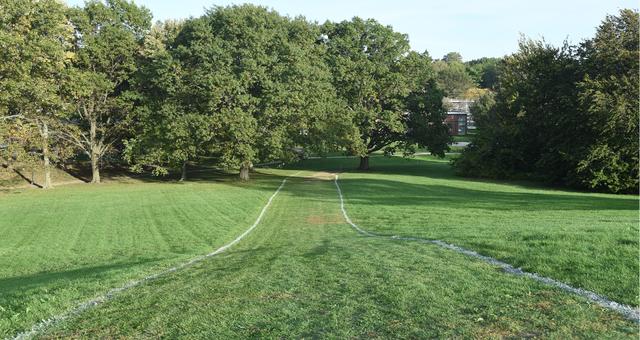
459 118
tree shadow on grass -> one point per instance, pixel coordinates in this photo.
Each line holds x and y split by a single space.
415 166
387 192
22 284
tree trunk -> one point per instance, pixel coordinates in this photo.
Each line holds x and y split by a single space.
244 171
364 163
95 168
95 153
45 156
184 172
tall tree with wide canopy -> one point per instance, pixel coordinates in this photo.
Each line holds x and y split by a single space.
107 48
564 117
279 85
170 127
34 55
609 96
242 84
531 126
368 60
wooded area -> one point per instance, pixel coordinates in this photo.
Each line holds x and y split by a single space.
239 85
100 86
564 115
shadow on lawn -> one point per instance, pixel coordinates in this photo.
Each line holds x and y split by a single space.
389 192
23 284
377 191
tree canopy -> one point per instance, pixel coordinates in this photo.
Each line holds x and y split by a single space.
99 86
371 76
565 115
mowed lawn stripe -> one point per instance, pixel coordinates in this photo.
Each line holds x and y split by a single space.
68 245
304 273
586 240
113 292
629 312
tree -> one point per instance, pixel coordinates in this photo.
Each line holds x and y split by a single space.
425 112
484 71
390 94
242 84
562 116
35 37
527 132
452 75
609 97
107 48
273 86
452 57
169 130
365 59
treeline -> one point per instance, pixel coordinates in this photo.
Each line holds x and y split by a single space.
565 115
239 85
469 79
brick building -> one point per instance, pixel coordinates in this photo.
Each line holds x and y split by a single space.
459 118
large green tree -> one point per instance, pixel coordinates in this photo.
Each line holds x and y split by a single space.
108 43
609 96
374 74
484 71
280 87
34 55
169 129
527 132
452 75
241 84
564 115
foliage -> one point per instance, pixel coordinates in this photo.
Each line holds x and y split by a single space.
609 96
564 116
169 130
374 75
453 77
425 112
484 71
241 83
107 48
35 38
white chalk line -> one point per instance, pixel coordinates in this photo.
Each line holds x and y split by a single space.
625 310
45 324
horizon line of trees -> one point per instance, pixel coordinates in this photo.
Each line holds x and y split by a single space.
238 85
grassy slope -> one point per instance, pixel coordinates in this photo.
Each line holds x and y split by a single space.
586 240
61 247
304 273
10 179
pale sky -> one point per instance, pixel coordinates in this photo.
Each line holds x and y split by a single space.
475 28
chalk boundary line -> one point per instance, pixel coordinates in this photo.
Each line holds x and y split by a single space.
46 323
628 312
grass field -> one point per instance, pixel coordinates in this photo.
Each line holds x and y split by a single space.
304 272
586 240
63 246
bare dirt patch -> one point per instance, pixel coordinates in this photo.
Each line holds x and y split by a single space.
322 175
323 219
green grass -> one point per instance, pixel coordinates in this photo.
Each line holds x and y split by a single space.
585 240
64 246
304 272
463 138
